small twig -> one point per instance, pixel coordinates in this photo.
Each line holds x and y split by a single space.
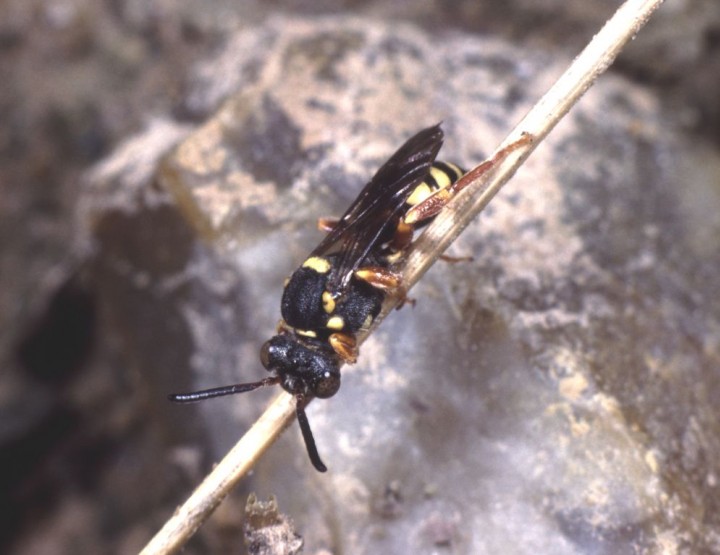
586 68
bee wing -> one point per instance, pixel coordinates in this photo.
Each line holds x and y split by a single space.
377 209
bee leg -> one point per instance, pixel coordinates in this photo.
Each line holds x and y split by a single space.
327 224
345 346
385 280
432 205
405 300
379 277
402 237
402 240
455 259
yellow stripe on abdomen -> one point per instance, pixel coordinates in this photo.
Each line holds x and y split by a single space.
441 176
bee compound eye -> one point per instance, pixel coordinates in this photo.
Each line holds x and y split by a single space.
265 355
327 385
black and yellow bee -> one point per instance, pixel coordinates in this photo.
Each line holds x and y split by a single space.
339 289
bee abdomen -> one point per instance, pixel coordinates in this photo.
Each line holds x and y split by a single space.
440 176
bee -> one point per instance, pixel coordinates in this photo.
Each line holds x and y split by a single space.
338 291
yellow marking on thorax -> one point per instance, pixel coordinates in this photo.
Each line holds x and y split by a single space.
306 333
336 323
328 302
317 263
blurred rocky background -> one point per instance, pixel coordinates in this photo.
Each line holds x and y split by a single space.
161 170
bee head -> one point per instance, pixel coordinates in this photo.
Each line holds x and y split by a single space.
303 372
300 369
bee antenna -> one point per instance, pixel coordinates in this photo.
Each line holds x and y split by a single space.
307 434
222 391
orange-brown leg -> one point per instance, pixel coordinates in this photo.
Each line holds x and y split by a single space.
455 259
379 277
327 224
345 346
432 205
387 281
403 236
404 299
